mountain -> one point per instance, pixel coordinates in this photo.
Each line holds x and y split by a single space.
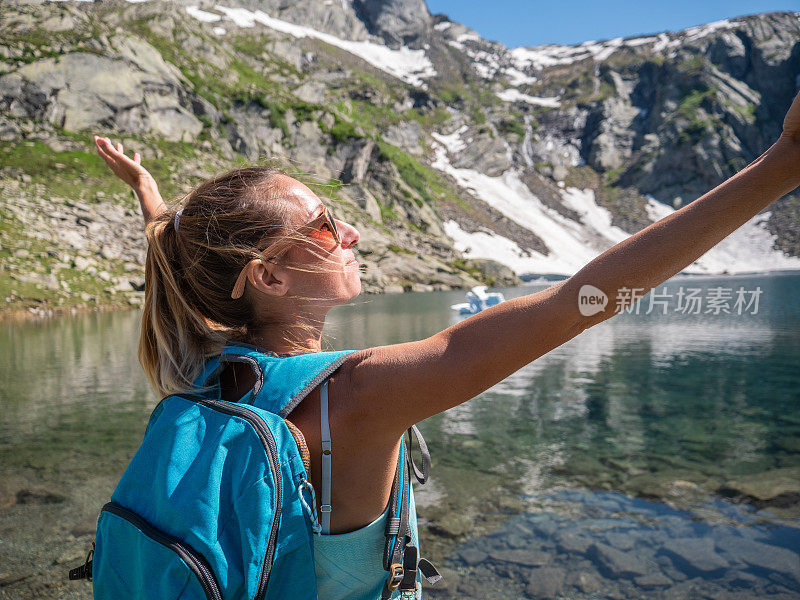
460 160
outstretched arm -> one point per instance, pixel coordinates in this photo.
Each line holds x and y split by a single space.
391 387
135 175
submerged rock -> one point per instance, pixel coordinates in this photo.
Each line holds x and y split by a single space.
473 556
695 555
572 543
777 487
618 564
546 582
586 582
528 558
765 556
653 580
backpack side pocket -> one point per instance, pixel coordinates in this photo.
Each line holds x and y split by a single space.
165 567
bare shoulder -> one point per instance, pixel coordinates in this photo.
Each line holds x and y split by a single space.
350 413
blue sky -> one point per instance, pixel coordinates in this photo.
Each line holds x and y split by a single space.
533 22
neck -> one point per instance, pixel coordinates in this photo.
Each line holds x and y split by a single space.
283 339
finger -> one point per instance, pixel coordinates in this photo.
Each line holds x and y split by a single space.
119 148
103 150
99 143
112 150
137 158
104 143
104 155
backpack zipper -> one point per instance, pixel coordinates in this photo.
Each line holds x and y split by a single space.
193 559
268 441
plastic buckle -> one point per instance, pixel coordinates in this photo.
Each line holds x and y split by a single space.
327 447
396 573
326 508
85 570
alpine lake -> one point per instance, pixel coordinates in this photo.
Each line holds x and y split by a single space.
653 456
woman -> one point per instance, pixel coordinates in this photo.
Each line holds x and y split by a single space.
279 302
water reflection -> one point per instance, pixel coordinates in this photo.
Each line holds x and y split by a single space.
607 545
684 410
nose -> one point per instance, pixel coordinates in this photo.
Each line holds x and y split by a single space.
348 234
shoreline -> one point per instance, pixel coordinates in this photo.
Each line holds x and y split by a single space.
20 314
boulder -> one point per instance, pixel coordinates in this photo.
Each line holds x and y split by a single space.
493 272
406 136
398 22
311 91
773 487
484 151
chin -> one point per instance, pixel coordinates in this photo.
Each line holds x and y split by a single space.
356 290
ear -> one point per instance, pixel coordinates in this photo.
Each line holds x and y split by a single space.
268 278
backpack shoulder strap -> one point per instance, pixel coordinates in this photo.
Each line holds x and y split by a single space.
281 382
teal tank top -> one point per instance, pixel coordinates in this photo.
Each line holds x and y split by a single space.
349 566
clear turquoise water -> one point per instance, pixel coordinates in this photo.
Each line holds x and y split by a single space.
641 431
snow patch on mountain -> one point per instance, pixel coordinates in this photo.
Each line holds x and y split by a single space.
514 95
548 55
695 33
592 215
486 244
411 66
518 78
452 142
570 244
202 15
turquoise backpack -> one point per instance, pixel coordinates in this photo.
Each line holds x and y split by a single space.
216 503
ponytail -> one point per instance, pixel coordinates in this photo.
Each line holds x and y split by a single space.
175 339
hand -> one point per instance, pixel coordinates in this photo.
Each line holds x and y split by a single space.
134 174
128 170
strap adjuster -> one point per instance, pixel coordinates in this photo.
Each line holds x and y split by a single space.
85 570
326 508
396 574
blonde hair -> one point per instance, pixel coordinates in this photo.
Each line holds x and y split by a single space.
190 271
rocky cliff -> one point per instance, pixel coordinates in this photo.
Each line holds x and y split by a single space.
459 159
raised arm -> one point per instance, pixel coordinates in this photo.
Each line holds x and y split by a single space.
392 387
135 175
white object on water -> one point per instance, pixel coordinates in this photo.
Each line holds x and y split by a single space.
477 300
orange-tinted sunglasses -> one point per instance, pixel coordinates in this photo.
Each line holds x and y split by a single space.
321 228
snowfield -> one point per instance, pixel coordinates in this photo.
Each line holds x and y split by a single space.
573 244
411 66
